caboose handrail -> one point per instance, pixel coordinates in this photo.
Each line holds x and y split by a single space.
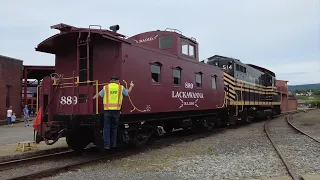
37 104
96 84
97 90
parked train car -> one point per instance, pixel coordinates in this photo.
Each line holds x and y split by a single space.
172 88
251 90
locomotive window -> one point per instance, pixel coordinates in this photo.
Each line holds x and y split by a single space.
198 79
176 76
214 82
166 42
241 68
244 70
237 67
155 72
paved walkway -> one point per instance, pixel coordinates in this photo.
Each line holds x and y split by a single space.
16 133
4 121
10 136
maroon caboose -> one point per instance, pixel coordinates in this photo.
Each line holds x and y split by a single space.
172 88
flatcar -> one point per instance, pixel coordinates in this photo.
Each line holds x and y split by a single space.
173 89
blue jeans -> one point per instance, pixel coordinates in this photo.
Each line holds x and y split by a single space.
25 119
9 120
111 122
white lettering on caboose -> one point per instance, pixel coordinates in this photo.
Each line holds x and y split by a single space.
187 95
181 94
146 39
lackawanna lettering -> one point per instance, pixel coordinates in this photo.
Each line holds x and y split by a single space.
186 94
146 39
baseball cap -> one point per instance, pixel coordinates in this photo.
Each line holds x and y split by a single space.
114 78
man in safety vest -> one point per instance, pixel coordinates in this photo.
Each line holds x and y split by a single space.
112 95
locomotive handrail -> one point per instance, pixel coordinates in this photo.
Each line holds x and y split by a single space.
242 99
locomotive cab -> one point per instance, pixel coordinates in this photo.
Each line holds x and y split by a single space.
227 64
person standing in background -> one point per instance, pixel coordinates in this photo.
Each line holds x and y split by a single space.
26 115
9 115
13 118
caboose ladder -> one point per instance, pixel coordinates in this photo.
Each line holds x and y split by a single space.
83 59
83 48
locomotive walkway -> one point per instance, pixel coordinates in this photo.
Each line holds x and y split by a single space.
10 136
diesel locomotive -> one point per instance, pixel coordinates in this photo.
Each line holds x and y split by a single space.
173 89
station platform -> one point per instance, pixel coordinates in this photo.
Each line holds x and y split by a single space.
11 136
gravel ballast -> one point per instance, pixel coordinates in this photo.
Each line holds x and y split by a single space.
241 153
233 154
300 151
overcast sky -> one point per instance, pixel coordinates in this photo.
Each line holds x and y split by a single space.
281 35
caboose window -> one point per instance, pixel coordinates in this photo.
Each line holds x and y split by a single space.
166 42
214 82
155 72
198 79
191 50
176 76
185 48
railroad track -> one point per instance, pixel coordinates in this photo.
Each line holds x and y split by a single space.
5 165
299 130
94 157
288 166
37 163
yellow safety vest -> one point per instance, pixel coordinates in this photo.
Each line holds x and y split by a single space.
112 99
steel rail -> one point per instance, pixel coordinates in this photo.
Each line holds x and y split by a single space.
282 157
299 130
121 153
5 165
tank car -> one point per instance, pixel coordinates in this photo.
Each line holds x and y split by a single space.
172 88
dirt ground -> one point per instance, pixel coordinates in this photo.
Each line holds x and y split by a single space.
308 122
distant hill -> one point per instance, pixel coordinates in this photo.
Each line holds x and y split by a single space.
293 88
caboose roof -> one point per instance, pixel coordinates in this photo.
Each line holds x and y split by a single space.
70 33
161 32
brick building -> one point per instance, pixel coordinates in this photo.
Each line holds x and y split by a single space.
10 85
288 102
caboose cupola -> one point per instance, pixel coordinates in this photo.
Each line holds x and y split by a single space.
171 41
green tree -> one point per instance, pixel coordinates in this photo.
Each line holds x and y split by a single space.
316 92
315 104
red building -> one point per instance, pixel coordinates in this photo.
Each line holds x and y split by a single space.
288 102
10 85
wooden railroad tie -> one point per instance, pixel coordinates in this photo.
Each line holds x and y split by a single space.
21 146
